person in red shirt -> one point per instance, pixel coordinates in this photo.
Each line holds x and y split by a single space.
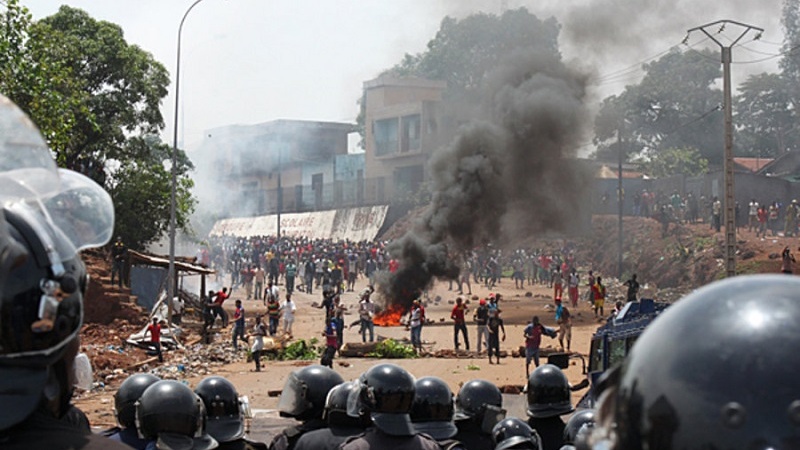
217 310
762 214
393 265
154 329
459 324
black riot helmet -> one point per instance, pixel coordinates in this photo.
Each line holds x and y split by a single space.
548 392
47 215
170 413
718 369
433 408
576 422
481 402
304 393
335 412
515 433
128 394
223 408
385 392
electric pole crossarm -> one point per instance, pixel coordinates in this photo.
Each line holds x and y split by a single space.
730 200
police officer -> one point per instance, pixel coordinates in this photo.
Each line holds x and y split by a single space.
548 399
432 411
479 407
340 425
514 433
172 417
578 426
225 416
716 370
303 398
125 409
385 394
46 216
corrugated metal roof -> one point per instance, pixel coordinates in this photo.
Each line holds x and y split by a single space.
159 261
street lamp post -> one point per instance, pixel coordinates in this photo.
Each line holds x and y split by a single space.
171 279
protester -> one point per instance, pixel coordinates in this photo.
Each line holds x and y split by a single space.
481 317
533 339
288 309
366 313
416 320
459 323
599 293
259 331
238 326
273 314
154 330
494 326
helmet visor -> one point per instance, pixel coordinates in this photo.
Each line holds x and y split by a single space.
293 401
77 216
27 168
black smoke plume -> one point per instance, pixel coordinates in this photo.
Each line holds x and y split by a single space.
508 175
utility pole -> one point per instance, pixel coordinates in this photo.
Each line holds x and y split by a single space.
730 226
620 200
280 191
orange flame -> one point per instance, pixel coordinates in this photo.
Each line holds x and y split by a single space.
390 316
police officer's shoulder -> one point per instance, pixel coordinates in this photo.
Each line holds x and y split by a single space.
451 444
354 441
110 432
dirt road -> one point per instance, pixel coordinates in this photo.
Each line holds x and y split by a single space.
517 311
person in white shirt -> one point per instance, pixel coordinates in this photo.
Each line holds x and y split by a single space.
288 309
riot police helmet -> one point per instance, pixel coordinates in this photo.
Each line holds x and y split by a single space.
335 412
169 413
548 392
304 393
433 408
47 215
576 423
385 393
128 394
473 398
513 433
717 369
223 408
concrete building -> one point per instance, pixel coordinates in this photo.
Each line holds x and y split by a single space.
404 125
244 166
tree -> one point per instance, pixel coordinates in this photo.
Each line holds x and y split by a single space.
790 63
674 161
138 188
674 105
119 88
96 100
766 114
464 51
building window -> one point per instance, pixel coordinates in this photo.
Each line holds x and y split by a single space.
411 130
385 132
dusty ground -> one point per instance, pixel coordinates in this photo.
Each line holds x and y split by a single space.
517 310
686 257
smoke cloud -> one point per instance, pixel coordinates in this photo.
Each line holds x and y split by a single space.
509 174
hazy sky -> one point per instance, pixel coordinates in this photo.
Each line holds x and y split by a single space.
250 61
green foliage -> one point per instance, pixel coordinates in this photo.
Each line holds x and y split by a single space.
674 106
96 99
464 51
674 161
392 349
141 188
473 367
302 349
766 115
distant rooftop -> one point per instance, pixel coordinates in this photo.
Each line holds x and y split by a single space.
752 164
